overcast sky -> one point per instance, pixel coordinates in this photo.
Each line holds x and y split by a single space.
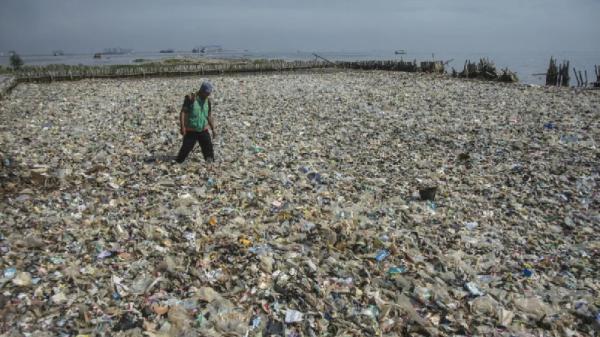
40 26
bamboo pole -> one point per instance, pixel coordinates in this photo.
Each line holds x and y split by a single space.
551 73
565 74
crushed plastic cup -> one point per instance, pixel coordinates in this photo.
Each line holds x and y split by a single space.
190 236
260 249
57 260
9 273
371 311
293 316
104 254
382 255
255 322
471 225
397 270
473 289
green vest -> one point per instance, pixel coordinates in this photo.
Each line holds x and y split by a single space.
198 115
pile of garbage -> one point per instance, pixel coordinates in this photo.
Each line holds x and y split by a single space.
340 204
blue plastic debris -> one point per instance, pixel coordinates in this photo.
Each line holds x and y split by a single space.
104 254
255 322
10 273
381 255
397 270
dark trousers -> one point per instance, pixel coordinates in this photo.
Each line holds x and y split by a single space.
190 139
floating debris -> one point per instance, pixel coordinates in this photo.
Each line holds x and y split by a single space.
311 220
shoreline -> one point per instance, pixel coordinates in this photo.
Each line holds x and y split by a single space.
8 83
525 64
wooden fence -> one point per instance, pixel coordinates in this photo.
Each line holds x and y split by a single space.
51 73
64 72
405 66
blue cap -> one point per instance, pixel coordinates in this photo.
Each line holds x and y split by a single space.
206 87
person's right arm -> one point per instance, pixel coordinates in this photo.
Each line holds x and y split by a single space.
183 114
182 119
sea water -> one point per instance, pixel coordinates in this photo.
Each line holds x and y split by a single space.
524 63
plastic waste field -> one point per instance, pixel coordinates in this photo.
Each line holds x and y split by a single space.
340 204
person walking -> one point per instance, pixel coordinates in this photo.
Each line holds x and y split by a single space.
195 119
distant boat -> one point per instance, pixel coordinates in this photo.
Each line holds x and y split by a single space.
98 55
166 51
58 53
116 51
207 49
213 49
400 52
